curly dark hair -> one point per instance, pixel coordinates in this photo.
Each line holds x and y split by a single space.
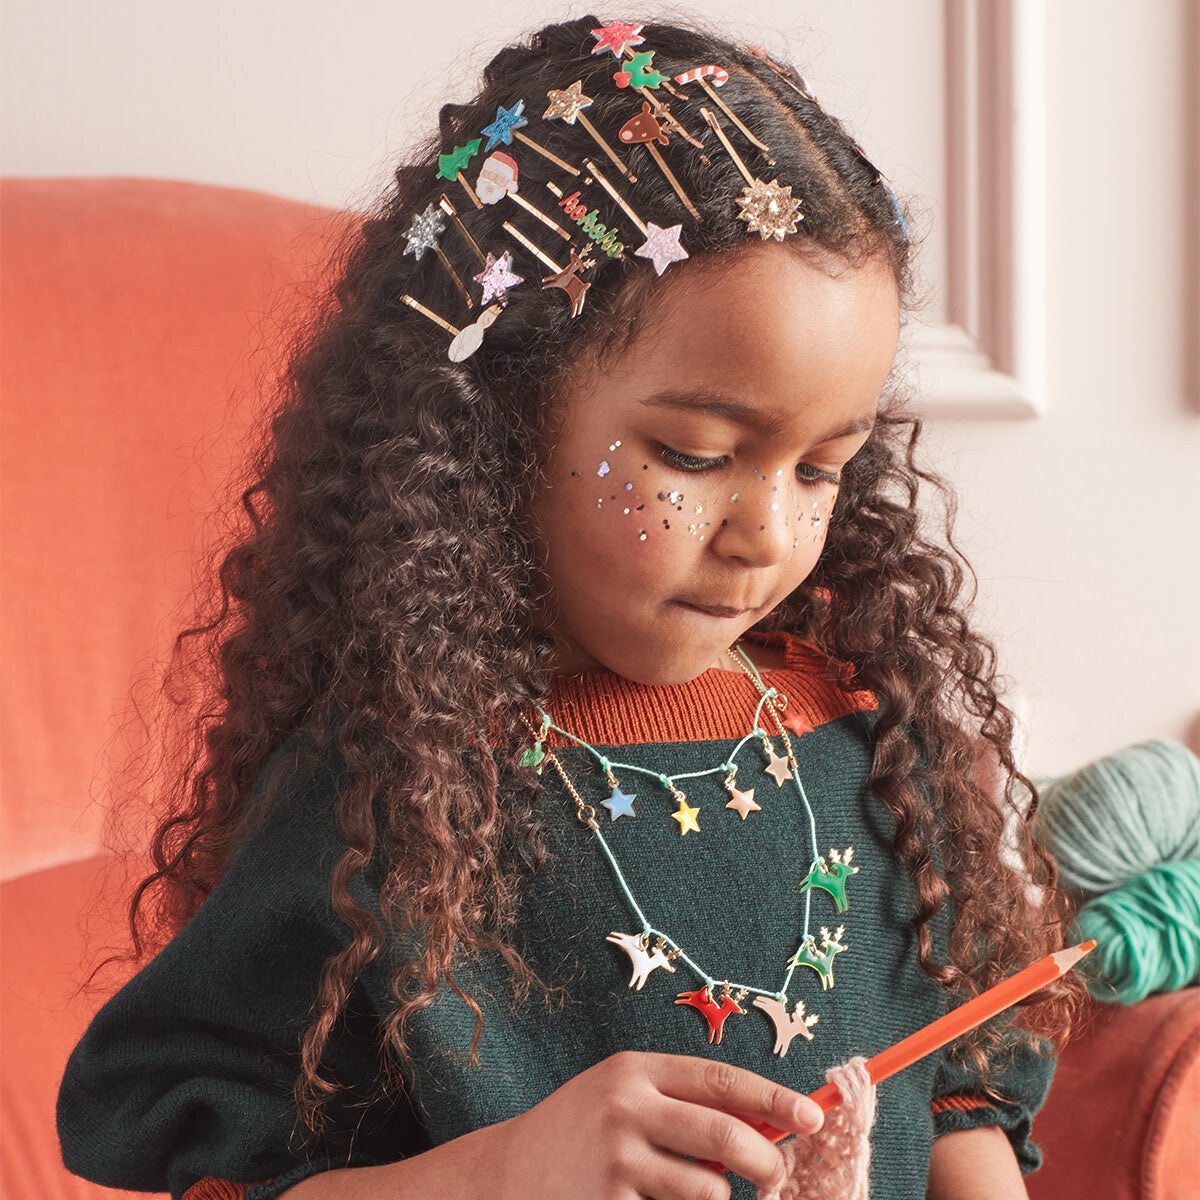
381 595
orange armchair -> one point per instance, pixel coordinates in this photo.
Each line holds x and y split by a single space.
132 337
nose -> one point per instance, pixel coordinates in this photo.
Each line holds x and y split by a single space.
758 527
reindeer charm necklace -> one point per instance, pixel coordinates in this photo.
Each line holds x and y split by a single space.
829 876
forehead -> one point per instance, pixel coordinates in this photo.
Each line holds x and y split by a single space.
766 327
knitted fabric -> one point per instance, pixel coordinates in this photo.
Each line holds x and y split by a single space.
835 1161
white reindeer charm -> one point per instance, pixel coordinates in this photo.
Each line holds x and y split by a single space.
787 1025
634 944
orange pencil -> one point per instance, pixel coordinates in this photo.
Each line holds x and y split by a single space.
945 1029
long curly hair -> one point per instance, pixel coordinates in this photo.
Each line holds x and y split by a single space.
381 593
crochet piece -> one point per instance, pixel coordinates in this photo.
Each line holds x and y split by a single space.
837 1160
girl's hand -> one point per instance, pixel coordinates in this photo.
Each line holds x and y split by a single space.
617 1131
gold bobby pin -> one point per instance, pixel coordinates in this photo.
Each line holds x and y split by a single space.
767 208
568 104
645 129
466 340
498 180
450 166
720 77
612 191
532 247
452 213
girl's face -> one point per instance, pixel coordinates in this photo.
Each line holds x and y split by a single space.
693 478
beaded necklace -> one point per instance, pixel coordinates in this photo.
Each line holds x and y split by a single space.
829 875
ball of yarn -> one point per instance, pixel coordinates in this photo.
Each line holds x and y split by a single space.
1148 934
1112 819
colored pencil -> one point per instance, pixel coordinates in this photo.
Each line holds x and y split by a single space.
945 1029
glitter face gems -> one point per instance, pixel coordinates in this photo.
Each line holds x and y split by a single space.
497 277
769 209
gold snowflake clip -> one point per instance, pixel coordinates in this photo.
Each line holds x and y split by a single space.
769 209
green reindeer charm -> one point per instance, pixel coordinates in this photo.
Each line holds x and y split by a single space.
832 878
821 960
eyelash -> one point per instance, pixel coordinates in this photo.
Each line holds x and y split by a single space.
693 465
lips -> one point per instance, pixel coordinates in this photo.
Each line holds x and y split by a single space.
713 610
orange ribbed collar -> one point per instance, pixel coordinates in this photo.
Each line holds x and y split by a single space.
607 710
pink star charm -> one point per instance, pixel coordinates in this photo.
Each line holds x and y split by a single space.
743 802
662 246
497 277
617 36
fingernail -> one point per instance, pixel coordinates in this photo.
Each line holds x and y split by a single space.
809 1115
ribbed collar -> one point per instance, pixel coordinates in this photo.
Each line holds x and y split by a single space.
605 709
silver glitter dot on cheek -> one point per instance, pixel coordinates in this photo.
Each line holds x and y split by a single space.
604 469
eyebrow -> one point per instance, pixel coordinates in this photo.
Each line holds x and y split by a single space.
718 404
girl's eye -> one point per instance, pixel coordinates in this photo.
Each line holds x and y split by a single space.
807 474
688 462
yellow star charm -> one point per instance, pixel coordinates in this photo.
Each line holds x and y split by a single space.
686 816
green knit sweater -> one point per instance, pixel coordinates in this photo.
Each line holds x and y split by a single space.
184 1077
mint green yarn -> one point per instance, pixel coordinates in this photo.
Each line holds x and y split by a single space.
1148 931
1110 820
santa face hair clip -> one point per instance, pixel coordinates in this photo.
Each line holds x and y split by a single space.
499 180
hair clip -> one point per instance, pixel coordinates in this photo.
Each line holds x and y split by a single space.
568 104
449 209
466 340
767 208
498 180
507 125
662 246
639 72
450 167
497 277
423 235
720 77
670 123
645 129
787 72
568 278
606 238
617 37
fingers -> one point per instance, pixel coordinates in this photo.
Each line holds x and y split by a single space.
709 1134
733 1090
662 1176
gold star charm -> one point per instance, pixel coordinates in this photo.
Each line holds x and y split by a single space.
686 816
778 768
769 209
566 102
743 802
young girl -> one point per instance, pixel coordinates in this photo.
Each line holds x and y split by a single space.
597 755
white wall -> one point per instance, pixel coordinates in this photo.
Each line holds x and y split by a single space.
1083 523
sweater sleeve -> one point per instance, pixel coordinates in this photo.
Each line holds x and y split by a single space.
1018 1073
186 1074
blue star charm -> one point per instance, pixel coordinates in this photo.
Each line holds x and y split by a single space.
619 804
507 120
